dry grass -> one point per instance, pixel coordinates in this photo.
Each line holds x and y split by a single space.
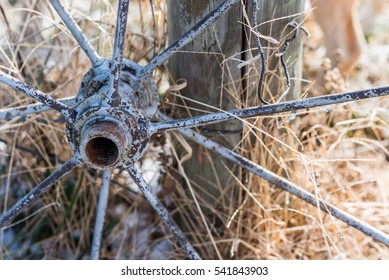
339 153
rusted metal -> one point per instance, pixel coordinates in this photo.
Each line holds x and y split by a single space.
77 33
140 92
121 24
100 215
38 191
103 143
128 131
289 106
285 185
162 213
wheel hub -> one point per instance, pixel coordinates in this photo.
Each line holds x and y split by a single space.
102 143
107 136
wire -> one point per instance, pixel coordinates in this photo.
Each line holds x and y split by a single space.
261 52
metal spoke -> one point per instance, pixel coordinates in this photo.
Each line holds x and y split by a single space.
117 58
21 111
76 31
100 215
35 94
285 185
189 36
38 191
270 109
163 213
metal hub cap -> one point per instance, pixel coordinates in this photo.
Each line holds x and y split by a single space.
102 143
107 137
109 132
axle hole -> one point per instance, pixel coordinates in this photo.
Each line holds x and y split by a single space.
102 151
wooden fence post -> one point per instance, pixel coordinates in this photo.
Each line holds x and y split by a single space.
216 80
212 79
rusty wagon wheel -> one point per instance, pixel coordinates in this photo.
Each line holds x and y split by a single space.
110 121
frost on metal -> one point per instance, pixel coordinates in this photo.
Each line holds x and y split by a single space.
285 185
189 36
37 192
152 165
268 110
76 32
35 94
100 215
22 111
163 213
